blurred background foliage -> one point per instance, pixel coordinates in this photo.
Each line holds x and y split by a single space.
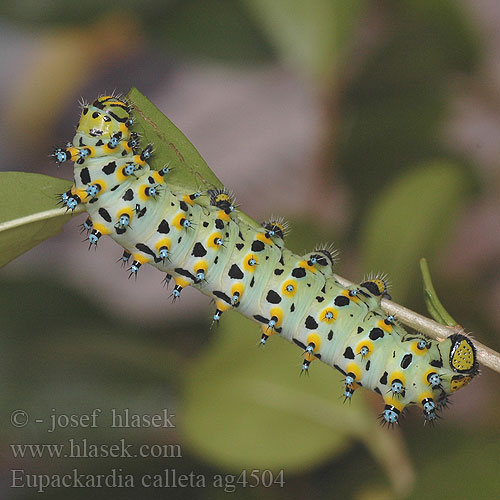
371 123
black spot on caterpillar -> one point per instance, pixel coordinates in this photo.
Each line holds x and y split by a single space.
244 266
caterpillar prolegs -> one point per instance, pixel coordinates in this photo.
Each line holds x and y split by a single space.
198 239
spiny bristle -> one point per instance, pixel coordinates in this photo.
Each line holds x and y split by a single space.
280 222
82 102
213 193
378 276
330 248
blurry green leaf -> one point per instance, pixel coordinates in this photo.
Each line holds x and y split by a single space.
312 36
394 107
248 407
28 212
434 306
217 29
410 218
466 466
449 27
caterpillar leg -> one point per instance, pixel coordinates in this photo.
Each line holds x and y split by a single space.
166 280
86 226
269 329
390 416
134 269
312 347
306 363
95 235
220 308
69 200
429 408
180 284
348 392
216 318
124 258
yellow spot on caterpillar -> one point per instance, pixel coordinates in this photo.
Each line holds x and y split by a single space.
314 338
221 305
424 395
139 257
81 193
262 237
185 198
305 265
222 197
237 288
125 132
120 173
416 350
425 376
163 242
125 211
365 343
211 241
176 221
397 375
137 159
250 262
101 228
159 179
180 281
223 216
353 368
386 327
328 315
201 265
459 381
109 151
393 400
278 313
102 184
346 293
141 192
289 288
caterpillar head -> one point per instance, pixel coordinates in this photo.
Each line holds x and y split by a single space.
462 358
106 117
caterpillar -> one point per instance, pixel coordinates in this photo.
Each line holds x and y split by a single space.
198 239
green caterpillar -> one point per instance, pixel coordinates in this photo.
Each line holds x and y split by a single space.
206 244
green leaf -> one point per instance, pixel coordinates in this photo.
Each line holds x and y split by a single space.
247 407
170 146
410 218
28 212
312 36
434 306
